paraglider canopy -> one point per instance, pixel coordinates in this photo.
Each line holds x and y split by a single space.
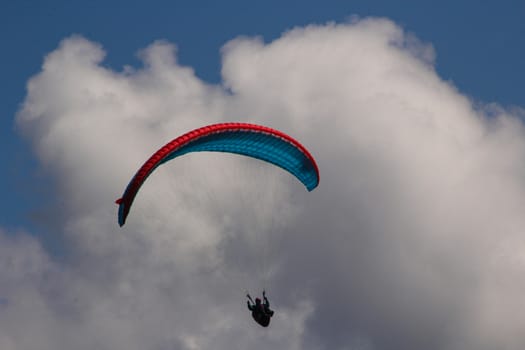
251 140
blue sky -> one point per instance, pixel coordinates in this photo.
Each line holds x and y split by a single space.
479 47
412 240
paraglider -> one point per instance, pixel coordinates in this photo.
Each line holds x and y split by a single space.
261 312
251 140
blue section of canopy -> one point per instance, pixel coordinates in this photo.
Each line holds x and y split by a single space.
256 144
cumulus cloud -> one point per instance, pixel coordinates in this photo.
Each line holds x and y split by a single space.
412 240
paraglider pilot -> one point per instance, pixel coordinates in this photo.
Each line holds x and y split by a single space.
261 312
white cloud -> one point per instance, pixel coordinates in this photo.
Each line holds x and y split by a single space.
412 240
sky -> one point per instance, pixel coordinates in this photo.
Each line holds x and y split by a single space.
413 239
